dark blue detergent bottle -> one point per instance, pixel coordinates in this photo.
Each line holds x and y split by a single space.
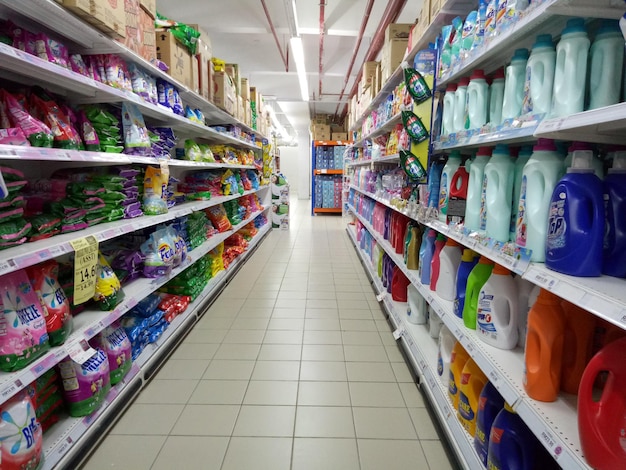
427 250
576 220
615 235
434 181
490 403
468 261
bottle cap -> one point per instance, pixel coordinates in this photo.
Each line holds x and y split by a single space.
499 74
485 260
520 54
441 237
468 255
478 74
501 149
451 242
484 151
508 408
619 162
451 87
432 234
543 40
575 25
546 145
525 150
608 27
582 162
499 269
454 154
464 81
514 151
580 146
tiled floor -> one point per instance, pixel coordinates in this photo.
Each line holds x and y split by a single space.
293 367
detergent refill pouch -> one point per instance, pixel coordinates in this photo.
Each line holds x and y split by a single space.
21 436
411 165
108 292
416 85
414 127
136 138
469 33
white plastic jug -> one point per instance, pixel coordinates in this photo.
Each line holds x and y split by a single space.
460 104
417 309
570 75
541 174
496 98
539 78
498 184
475 189
477 100
449 261
447 119
434 323
514 85
497 317
606 64
453 163
524 298
446 344
522 158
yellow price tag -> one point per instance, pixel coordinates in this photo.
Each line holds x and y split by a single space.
85 267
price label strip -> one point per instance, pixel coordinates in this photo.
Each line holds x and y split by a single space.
80 350
85 264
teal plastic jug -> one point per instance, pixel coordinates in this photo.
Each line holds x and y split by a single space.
539 78
477 100
541 174
447 119
606 64
498 187
475 189
522 158
597 163
570 74
496 98
514 85
453 163
460 104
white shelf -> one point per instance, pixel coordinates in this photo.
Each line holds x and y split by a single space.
395 157
60 442
554 424
384 128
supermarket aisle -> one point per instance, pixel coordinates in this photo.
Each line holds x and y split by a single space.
294 366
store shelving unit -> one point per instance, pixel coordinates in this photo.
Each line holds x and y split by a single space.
323 167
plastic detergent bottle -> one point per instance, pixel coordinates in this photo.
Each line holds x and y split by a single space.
475 189
614 251
596 163
458 358
544 348
490 403
475 281
453 164
399 285
606 63
434 323
477 100
457 198
426 255
498 187
514 85
496 98
434 182
577 345
497 317
449 260
541 174
440 242
446 343
525 300
417 310
468 261
412 246
522 158
570 75
447 119
576 224
473 381
539 78
460 104
602 423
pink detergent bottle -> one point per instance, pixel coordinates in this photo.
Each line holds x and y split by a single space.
440 242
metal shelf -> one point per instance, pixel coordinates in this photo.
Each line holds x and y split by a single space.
386 159
384 128
330 210
329 171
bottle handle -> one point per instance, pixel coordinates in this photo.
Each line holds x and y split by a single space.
585 389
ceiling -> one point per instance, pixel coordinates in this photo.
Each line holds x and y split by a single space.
241 33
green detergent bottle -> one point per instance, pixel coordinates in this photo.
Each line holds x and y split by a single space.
475 281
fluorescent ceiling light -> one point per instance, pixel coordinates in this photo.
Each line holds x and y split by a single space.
292 17
298 57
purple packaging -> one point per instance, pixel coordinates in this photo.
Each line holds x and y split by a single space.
114 341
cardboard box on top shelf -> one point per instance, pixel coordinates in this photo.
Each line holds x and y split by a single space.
254 96
378 82
233 71
392 56
204 54
248 113
435 7
204 39
108 17
343 136
176 56
149 6
148 48
369 74
241 111
224 95
397 31
195 74
134 33
211 75
423 21
244 87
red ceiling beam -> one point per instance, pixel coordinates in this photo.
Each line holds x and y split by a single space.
322 34
273 29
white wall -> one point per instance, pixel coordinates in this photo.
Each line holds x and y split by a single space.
295 164
289 166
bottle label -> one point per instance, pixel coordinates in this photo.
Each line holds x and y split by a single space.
557 225
521 223
443 194
439 365
465 409
483 204
527 102
484 318
452 389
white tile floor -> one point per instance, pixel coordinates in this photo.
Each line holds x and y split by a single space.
293 367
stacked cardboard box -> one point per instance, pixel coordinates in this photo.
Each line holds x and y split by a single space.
108 17
320 127
202 78
224 94
396 39
418 30
176 56
146 24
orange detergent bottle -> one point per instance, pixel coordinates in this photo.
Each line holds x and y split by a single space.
544 348
602 423
458 358
577 345
473 381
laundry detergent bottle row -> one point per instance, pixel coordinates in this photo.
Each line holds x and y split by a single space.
449 261
475 189
606 63
460 105
468 261
577 345
490 403
496 97
498 187
475 281
539 78
514 85
614 251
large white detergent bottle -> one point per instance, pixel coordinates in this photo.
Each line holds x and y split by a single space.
496 98
449 261
606 65
570 74
522 158
497 317
477 100
460 105
541 174
453 164
514 85
498 184
446 344
447 119
475 189
417 309
539 78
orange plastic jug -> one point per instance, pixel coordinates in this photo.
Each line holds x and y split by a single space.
544 348
473 381
577 345
458 358
602 423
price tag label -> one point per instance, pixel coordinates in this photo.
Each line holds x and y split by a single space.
470 347
323 172
79 350
494 377
63 447
85 264
548 440
432 383
544 280
397 334
7 266
9 390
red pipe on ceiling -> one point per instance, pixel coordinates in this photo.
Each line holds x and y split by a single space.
322 33
273 29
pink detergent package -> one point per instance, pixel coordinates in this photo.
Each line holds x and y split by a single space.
85 386
38 134
114 341
21 436
23 335
57 306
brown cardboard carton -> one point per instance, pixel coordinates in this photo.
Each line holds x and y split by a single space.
343 136
148 48
233 71
108 17
211 76
319 135
134 32
204 38
254 96
176 56
248 111
224 92
244 88
195 74
149 6
397 31
435 6
392 55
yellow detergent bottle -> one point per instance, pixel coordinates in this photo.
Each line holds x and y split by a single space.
473 381
458 358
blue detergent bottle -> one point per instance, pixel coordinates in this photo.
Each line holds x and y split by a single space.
576 220
468 261
434 182
614 263
427 250
490 404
